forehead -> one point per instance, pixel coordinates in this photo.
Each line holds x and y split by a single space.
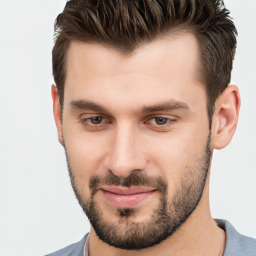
169 65
176 49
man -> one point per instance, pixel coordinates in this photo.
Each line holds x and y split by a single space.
142 98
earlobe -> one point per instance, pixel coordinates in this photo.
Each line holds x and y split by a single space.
225 117
57 112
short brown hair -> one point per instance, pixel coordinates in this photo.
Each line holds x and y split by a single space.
126 24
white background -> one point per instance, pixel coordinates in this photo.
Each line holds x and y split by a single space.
38 211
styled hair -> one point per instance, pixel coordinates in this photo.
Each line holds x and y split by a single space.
126 24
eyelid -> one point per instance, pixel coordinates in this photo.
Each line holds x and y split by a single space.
91 115
166 116
171 120
168 119
85 117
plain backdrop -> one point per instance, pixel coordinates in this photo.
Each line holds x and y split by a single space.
38 211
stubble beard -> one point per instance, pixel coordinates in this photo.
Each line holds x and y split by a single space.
164 220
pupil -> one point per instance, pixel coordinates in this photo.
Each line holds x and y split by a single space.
161 120
96 120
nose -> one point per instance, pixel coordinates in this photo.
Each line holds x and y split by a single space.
126 151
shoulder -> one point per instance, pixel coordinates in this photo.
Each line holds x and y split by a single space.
76 249
236 243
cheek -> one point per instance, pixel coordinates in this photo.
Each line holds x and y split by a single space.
86 153
177 154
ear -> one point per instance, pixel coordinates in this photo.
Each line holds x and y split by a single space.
225 117
57 112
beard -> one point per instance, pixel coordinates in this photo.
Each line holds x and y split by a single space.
163 221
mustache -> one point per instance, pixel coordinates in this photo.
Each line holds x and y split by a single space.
134 179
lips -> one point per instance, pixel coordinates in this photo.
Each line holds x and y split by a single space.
126 197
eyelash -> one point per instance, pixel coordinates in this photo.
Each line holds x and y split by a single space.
88 122
168 120
85 121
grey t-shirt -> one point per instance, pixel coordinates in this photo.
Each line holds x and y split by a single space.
236 244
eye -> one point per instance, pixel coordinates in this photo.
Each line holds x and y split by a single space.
161 123
93 121
161 120
96 119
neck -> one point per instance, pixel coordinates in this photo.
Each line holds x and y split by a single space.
198 236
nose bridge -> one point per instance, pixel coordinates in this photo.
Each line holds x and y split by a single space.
125 152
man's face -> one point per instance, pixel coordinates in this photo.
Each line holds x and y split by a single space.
136 135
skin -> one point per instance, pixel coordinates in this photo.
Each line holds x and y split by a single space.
128 139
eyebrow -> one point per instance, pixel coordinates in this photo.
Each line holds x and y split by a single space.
163 106
166 106
87 105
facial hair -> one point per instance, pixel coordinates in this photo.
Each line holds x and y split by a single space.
164 220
